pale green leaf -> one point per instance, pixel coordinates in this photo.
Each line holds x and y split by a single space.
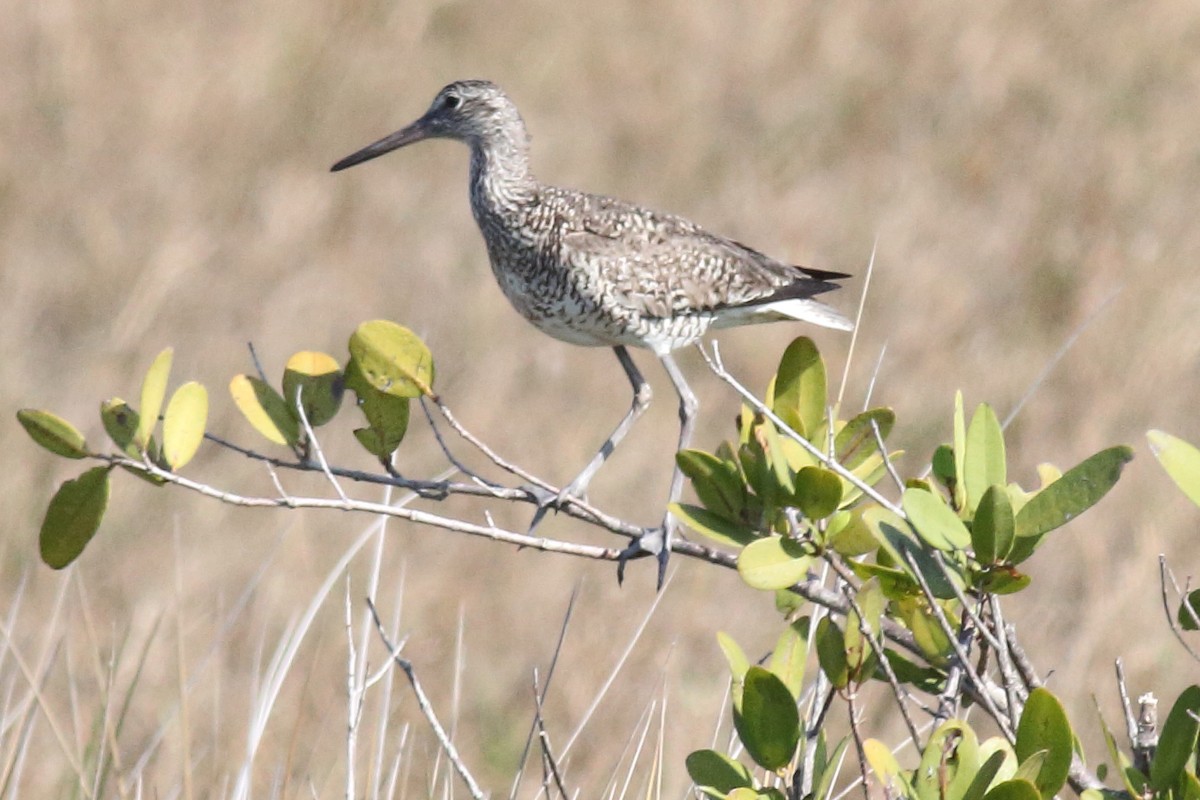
53 433
1180 459
393 359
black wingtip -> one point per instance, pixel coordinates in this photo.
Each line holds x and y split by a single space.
824 274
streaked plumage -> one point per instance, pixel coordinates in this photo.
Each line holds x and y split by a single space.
597 271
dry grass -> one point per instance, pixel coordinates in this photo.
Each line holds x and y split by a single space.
164 182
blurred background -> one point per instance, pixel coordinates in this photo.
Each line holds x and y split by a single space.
1027 171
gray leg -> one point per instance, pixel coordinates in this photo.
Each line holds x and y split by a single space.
657 541
641 401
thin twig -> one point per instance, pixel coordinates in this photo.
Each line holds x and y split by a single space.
505 465
311 438
969 609
851 695
544 738
258 367
898 691
874 377
1058 356
562 635
964 659
1126 706
862 303
887 461
1164 575
423 703
1012 682
445 448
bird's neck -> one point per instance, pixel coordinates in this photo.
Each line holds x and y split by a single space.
500 175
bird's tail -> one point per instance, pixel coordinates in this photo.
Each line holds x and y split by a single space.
800 309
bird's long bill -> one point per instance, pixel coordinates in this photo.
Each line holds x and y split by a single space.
413 133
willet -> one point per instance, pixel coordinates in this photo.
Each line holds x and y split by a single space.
597 271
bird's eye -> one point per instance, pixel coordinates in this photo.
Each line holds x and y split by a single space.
451 102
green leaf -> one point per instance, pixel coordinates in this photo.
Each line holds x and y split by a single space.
861 658
1177 743
717 482
800 387
831 653
1188 616
943 467
73 516
927 679
768 723
714 526
387 415
984 461
317 378
897 540
993 528
1132 778
154 391
855 442
949 762
53 433
1003 579
1180 459
734 655
774 562
790 655
936 524
984 776
265 410
825 771
818 492
1044 727
853 538
1189 787
759 470
393 359
183 425
1076 491
1016 789
1029 768
121 424
919 618
708 768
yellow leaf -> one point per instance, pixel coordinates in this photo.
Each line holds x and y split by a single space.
154 390
183 425
264 409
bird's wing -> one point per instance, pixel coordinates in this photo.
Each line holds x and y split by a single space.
665 265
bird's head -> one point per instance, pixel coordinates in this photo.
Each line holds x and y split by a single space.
474 112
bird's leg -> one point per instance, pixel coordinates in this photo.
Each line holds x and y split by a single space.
641 401
657 541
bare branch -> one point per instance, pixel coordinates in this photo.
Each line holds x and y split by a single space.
423 703
544 738
1164 575
981 690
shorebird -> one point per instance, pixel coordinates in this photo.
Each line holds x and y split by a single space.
597 271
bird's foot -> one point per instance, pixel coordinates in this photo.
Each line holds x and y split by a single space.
652 542
551 501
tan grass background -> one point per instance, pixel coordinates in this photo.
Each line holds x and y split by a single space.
163 180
